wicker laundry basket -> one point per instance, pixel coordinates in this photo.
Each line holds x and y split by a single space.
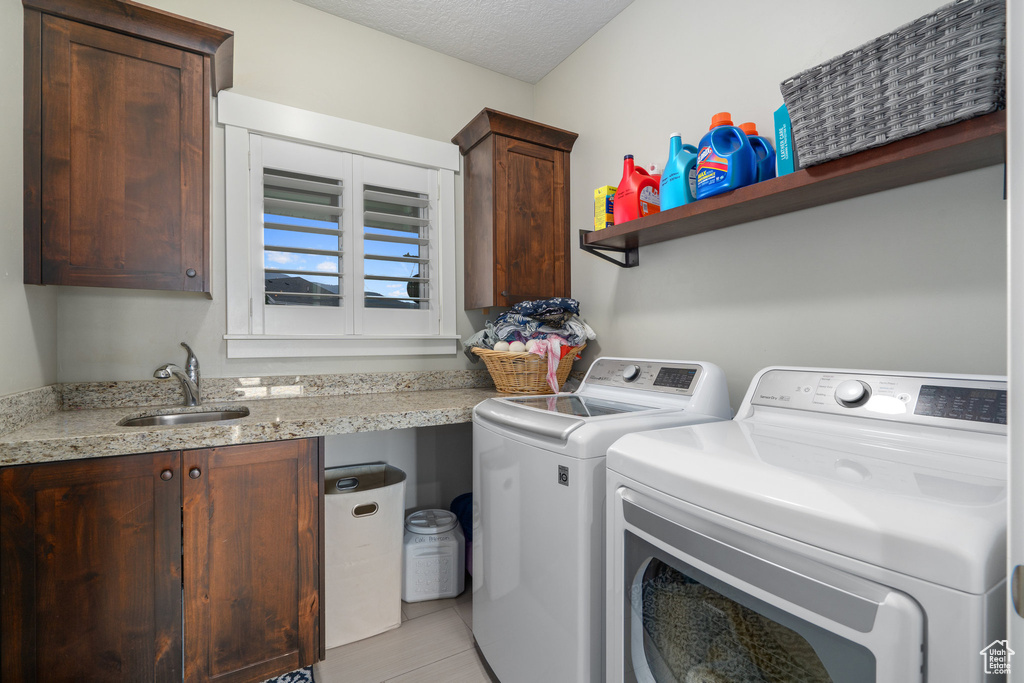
525 373
946 67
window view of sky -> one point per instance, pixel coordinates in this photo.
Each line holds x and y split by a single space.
303 242
305 265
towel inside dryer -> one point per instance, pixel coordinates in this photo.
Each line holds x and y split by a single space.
694 634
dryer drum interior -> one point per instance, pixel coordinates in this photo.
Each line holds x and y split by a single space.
691 630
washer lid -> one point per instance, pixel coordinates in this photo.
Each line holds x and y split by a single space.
503 412
578 405
431 522
928 505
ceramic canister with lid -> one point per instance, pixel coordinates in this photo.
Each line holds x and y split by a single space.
433 557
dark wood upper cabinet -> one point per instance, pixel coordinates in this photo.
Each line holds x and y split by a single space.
117 144
516 220
90 570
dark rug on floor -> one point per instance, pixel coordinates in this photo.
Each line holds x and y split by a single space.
297 676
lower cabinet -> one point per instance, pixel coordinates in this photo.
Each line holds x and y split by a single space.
251 537
200 565
90 570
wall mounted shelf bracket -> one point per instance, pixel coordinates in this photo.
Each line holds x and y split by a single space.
630 255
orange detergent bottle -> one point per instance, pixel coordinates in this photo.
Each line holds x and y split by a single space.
763 149
637 194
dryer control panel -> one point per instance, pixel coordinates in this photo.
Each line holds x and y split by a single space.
679 379
957 402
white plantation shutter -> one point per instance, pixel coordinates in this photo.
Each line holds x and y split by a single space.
302 195
394 219
332 251
320 275
399 247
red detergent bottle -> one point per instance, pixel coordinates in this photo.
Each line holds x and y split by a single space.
763 149
725 159
637 194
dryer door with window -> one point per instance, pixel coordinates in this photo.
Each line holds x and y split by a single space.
703 603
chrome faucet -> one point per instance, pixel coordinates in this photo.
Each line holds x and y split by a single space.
189 377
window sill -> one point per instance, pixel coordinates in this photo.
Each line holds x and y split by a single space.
284 346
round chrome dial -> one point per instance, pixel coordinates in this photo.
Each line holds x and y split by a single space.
852 393
630 373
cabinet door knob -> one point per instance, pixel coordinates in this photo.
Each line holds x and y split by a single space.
166 475
191 272
194 473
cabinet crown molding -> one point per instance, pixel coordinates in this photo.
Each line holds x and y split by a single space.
149 23
490 121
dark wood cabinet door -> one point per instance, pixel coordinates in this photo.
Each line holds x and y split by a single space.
90 570
124 196
251 546
531 221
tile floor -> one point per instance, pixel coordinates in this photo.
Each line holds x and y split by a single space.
434 644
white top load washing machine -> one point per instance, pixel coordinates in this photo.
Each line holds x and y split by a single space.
847 526
538 500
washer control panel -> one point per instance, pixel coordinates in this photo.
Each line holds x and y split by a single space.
853 393
671 378
976 404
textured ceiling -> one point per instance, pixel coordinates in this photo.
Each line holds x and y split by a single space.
524 39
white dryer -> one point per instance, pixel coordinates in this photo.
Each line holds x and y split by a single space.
847 526
538 509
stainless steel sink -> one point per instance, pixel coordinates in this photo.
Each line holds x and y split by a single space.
184 418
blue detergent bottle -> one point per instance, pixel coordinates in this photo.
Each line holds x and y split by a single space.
679 179
763 149
725 160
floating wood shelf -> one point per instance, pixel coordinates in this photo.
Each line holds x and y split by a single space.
961 147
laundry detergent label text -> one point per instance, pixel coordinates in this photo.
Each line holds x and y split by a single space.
650 200
711 168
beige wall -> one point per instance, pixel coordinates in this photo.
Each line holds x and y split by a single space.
913 278
28 314
908 279
289 53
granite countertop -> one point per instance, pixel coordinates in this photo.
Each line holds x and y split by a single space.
90 433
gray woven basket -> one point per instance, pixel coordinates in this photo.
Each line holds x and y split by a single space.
945 67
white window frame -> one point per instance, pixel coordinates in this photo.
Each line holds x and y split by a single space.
241 116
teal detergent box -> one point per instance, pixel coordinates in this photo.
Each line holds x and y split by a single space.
785 149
